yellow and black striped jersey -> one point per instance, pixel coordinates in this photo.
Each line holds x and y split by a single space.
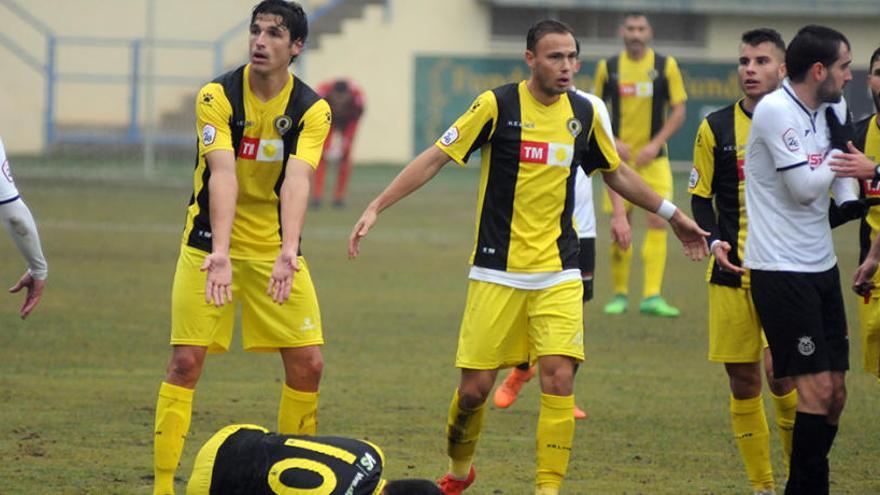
719 154
263 136
249 459
526 195
867 140
638 93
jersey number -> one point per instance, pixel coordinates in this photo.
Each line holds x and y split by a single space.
328 478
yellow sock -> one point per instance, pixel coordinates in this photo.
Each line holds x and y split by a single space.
786 408
753 439
547 490
173 414
462 432
554 439
297 412
654 261
620 260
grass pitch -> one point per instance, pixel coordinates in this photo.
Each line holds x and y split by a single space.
78 379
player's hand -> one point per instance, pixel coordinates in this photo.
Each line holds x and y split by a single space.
720 251
218 286
692 237
852 163
281 280
862 284
647 154
621 232
841 132
623 150
360 230
33 294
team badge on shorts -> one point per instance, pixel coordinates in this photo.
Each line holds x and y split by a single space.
806 346
282 124
574 126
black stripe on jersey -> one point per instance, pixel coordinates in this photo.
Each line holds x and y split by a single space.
789 167
590 157
660 98
484 135
725 189
10 200
611 92
496 213
200 235
860 140
301 100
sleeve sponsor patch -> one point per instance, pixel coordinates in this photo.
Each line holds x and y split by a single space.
694 178
450 136
791 140
209 133
7 172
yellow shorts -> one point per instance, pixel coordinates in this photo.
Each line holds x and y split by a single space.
266 326
658 176
735 333
503 326
869 319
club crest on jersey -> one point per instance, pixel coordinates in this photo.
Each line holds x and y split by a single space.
791 140
694 178
653 74
282 124
209 133
261 150
806 346
554 154
450 136
574 126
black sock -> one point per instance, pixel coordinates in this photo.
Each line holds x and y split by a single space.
809 455
831 431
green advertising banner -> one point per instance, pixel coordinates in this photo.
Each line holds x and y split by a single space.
446 86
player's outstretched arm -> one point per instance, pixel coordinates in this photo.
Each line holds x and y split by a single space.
629 185
223 190
19 222
419 171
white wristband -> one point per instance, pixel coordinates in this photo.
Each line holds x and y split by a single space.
666 210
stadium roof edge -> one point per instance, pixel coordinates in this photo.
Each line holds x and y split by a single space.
838 8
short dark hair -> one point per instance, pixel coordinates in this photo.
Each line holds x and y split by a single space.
543 28
292 15
810 45
634 13
755 37
874 57
412 487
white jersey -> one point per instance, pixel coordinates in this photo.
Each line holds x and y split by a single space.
784 234
8 192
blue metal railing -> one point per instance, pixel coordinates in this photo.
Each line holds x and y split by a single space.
133 78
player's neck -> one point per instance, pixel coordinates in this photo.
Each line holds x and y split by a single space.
637 54
267 85
538 94
749 103
807 94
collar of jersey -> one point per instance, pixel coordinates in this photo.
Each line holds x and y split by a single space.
281 94
524 89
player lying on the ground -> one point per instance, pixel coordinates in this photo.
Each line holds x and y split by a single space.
249 459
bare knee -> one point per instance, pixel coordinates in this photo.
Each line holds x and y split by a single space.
185 367
745 380
303 369
557 375
474 388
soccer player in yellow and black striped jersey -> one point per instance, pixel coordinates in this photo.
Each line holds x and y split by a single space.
641 87
862 162
248 459
524 294
735 334
260 135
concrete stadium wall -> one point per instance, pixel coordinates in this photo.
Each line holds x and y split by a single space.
377 51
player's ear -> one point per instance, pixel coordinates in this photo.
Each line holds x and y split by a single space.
530 59
783 71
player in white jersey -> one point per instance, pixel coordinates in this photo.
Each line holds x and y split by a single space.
794 277
18 221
